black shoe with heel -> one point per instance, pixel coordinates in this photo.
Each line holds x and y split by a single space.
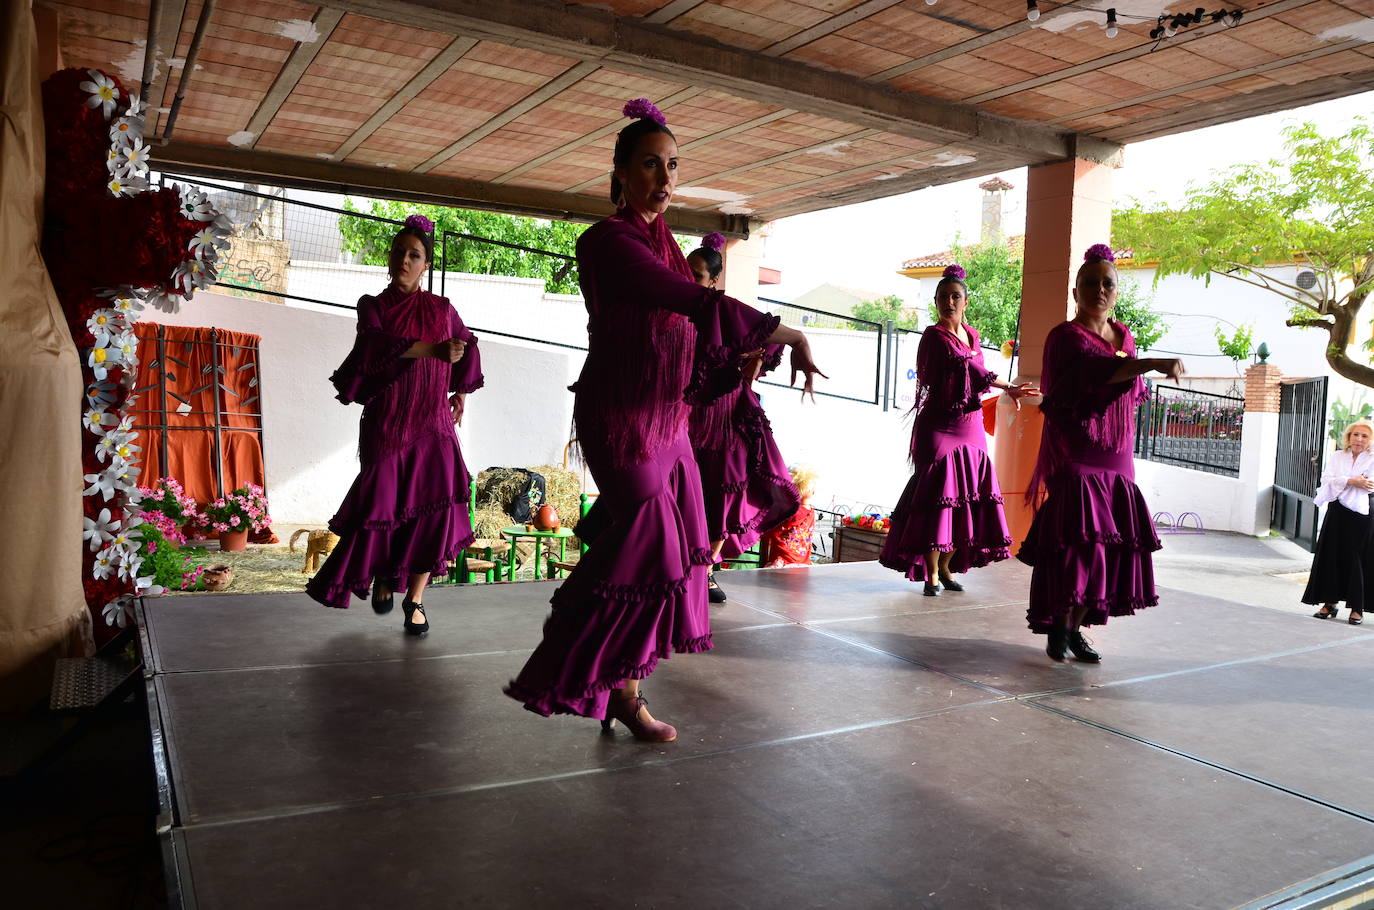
714 592
382 605
1324 613
1082 648
1356 619
931 589
1058 644
949 584
411 626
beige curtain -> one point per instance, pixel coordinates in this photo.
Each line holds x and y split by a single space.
43 612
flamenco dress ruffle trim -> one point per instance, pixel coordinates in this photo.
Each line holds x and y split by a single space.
406 514
637 596
951 506
1090 545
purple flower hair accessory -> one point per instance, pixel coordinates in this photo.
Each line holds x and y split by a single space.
714 241
420 221
1099 252
955 271
644 109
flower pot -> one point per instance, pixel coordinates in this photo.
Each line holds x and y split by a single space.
217 578
233 541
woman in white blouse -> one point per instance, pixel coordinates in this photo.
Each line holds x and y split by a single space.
1343 565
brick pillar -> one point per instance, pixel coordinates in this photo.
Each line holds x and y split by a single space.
1068 209
1262 383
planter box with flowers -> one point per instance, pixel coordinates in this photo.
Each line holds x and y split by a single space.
166 512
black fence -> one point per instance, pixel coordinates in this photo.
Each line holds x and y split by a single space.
1298 465
1192 429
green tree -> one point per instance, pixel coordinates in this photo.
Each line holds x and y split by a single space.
1315 207
371 241
994 297
1235 346
883 309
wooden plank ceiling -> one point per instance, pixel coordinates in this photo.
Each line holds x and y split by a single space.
779 106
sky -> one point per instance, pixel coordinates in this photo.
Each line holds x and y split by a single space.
862 246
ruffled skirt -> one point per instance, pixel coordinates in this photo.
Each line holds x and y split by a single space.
954 506
406 514
1090 545
746 486
637 595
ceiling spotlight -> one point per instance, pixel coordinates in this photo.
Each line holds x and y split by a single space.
1111 23
1032 10
1170 30
931 2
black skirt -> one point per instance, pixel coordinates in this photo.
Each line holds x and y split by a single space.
1343 564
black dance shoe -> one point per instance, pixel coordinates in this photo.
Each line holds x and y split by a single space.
1081 648
411 626
949 584
1355 619
714 592
381 605
1058 644
1324 613
930 590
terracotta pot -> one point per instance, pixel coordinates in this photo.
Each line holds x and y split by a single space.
233 541
217 578
546 519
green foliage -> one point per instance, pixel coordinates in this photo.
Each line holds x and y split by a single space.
1236 346
1134 307
175 568
1314 206
1343 415
371 241
994 290
883 309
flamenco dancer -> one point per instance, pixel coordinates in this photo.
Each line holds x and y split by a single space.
743 476
1091 539
639 592
949 518
412 366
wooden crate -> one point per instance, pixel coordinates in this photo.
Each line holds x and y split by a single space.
857 544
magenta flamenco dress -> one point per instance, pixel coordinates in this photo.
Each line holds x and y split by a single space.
407 512
657 341
952 502
744 479
1092 536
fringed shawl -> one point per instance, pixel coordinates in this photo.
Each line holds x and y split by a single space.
656 339
950 378
1084 411
404 398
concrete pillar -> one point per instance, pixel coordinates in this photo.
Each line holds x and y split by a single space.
1068 209
1259 444
740 279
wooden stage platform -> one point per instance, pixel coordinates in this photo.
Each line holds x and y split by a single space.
848 743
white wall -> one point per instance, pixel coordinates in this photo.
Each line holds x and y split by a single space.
310 439
1223 503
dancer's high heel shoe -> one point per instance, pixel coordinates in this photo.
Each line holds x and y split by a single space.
930 589
411 626
382 605
1082 648
949 584
1326 612
1058 645
634 714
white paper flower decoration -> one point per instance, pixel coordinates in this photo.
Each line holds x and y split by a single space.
126 128
119 611
134 158
103 566
101 360
126 185
194 204
102 483
100 394
104 92
100 530
96 421
103 323
144 587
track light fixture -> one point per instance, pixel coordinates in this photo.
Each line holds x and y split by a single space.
1111 23
1032 10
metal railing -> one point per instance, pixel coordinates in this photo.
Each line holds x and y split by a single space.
1197 430
804 317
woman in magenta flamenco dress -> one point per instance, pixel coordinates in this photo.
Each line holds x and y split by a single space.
406 516
657 340
1092 536
744 479
949 518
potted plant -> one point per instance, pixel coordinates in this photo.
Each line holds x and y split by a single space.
235 514
168 507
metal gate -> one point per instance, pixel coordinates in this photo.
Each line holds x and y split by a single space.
1302 442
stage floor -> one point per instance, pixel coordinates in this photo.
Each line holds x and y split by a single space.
848 743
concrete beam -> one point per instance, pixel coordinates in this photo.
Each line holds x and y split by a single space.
635 45
340 177
302 55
